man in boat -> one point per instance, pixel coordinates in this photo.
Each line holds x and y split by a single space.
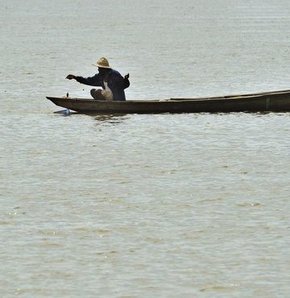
111 81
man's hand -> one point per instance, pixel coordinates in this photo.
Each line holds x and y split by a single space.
70 77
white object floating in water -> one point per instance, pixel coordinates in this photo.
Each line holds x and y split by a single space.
66 112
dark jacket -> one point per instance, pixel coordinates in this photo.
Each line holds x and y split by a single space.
116 83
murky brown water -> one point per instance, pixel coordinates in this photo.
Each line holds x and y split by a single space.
143 205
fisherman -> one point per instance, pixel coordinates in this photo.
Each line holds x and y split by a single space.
111 81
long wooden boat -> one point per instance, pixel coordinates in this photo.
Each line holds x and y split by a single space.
274 101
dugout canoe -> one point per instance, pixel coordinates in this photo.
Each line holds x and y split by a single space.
274 101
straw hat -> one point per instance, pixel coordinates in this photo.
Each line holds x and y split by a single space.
102 63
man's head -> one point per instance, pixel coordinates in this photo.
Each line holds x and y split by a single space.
103 63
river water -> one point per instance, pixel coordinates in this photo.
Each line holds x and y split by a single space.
190 205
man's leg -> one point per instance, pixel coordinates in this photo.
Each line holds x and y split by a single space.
97 94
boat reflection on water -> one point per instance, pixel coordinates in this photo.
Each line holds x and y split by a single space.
111 118
101 118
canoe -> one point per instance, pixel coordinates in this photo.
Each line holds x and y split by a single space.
273 101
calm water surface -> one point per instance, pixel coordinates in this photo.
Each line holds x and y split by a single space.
143 205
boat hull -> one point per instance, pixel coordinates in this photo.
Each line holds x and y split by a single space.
278 101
